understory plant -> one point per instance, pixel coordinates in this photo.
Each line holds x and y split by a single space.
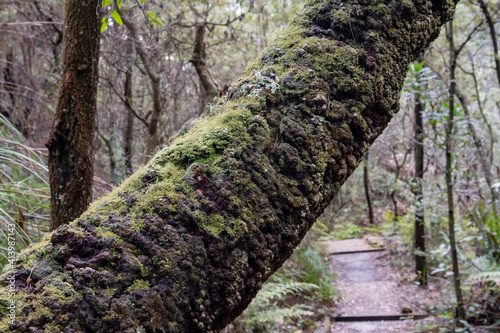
24 190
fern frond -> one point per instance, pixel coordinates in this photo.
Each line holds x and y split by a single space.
275 291
276 314
486 277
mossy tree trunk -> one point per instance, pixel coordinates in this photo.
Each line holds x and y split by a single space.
70 143
186 242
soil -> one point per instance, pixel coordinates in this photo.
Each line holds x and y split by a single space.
369 286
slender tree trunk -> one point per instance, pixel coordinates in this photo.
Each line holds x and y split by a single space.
154 80
187 241
70 143
420 257
13 111
129 125
366 180
485 166
493 36
208 89
113 173
448 175
153 140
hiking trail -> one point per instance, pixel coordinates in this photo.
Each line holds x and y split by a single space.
374 296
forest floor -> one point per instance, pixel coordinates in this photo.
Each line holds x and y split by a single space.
369 286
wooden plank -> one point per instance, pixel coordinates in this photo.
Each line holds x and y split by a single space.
377 249
380 318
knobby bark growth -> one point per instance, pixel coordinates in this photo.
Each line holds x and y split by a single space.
186 242
70 142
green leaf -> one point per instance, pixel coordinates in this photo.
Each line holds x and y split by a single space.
106 3
160 22
120 3
104 24
143 1
117 17
155 20
152 17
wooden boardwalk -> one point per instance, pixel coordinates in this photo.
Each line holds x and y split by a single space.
373 297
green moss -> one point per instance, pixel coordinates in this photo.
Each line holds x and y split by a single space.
104 232
165 263
138 285
110 291
137 223
30 255
214 223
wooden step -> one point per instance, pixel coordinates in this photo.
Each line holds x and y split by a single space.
375 249
380 317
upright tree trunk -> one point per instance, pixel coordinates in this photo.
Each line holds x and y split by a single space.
485 166
493 36
366 181
208 90
154 79
113 173
187 241
448 174
129 125
420 261
70 143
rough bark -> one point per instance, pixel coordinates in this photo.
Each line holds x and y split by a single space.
70 142
186 242
420 259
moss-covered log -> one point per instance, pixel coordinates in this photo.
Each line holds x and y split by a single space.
185 243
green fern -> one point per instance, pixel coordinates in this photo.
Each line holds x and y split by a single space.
486 277
269 309
277 291
275 314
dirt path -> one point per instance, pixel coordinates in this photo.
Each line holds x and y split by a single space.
370 287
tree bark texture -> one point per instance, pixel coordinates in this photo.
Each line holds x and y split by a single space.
70 142
186 242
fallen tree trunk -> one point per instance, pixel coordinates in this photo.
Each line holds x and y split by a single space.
186 242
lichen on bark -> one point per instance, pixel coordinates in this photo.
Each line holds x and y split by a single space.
186 242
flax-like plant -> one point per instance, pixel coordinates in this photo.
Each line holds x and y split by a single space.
24 190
